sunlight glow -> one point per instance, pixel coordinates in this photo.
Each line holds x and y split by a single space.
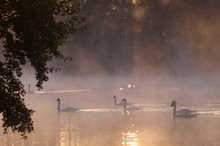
114 7
131 86
64 138
135 2
139 13
130 138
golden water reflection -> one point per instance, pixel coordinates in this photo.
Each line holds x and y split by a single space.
130 136
68 130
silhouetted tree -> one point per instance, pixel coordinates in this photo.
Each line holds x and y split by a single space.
31 31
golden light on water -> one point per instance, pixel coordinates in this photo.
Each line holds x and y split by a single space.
64 138
130 138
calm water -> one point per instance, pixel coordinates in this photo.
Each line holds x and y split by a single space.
98 123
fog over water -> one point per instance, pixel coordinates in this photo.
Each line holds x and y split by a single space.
99 123
149 52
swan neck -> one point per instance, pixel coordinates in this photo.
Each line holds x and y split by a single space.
174 111
115 101
58 106
125 106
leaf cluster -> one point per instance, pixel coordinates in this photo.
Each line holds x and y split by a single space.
31 31
15 113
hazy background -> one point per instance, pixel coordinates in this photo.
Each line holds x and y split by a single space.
147 37
165 47
168 48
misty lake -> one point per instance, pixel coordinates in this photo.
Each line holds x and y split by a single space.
99 123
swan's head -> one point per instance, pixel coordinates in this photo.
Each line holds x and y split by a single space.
173 104
123 100
58 99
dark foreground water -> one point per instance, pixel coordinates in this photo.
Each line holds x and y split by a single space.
98 123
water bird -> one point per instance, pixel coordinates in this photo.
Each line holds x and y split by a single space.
66 109
130 107
182 112
115 101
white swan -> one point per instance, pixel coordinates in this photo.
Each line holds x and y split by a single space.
130 107
66 109
182 112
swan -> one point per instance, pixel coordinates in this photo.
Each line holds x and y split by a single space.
115 101
130 107
182 112
66 109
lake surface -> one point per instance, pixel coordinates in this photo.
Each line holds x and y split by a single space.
99 123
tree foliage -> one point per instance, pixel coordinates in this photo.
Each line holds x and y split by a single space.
31 31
